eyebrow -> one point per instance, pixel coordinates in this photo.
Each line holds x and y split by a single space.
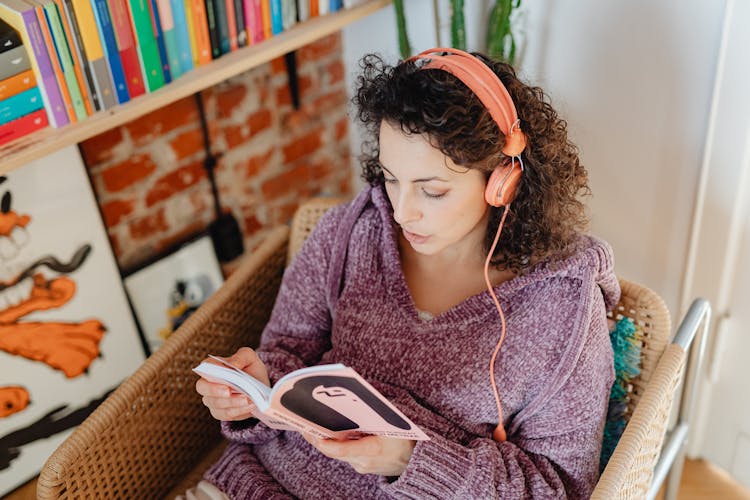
425 179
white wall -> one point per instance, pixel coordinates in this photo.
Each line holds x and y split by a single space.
634 81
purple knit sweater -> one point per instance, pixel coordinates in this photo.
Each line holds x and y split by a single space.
554 372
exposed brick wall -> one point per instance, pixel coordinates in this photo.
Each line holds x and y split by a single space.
148 174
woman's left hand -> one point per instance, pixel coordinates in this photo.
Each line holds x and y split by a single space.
369 454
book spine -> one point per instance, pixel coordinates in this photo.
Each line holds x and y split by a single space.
222 25
17 84
131 66
239 9
14 61
277 21
20 105
80 50
323 7
46 79
303 10
170 37
105 89
247 10
201 31
109 44
183 37
79 62
148 51
289 13
159 35
55 63
66 60
190 17
265 13
335 5
231 24
23 126
314 10
213 28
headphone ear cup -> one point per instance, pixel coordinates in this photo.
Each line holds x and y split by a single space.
502 185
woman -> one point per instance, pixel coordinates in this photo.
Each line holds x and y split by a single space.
510 381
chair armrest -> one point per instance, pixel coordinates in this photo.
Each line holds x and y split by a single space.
153 429
630 469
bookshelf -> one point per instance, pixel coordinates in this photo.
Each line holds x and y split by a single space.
43 142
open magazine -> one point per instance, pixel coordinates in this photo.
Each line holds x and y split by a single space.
329 401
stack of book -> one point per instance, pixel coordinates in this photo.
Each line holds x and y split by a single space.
21 106
85 56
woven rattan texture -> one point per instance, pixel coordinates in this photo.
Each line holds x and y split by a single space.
154 429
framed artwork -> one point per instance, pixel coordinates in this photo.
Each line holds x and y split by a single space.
67 335
165 292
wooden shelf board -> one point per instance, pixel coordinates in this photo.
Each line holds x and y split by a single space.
48 140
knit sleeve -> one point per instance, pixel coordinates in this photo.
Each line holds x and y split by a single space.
554 453
298 331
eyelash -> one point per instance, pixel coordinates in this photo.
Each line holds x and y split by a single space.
433 196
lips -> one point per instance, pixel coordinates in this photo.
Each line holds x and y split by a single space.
416 239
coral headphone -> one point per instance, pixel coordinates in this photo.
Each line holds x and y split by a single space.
503 182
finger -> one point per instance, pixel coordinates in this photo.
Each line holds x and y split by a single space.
230 414
365 446
206 388
232 402
243 358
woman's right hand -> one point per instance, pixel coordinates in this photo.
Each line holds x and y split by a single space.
223 402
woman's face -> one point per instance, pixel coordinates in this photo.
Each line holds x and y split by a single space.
439 205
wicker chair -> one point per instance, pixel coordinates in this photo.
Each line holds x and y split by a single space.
153 438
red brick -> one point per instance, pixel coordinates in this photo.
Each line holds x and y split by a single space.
252 225
114 211
341 128
327 102
149 225
174 182
163 120
255 164
128 172
234 135
259 120
278 66
283 96
319 49
303 146
345 185
336 71
98 149
229 99
187 144
283 214
295 180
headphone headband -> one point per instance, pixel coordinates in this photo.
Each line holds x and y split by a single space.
486 85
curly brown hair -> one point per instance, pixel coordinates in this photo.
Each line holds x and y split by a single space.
547 212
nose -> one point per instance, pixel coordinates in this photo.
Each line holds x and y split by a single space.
405 210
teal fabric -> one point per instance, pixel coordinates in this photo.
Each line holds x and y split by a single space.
626 341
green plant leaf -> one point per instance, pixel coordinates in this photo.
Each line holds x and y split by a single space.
403 38
458 25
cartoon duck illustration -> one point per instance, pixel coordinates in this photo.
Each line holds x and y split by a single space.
184 299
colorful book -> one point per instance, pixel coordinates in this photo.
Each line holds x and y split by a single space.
111 53
335 5
17 84
288 13
84 83
54 60
303 10
66 59
323 7
239 12
265 15
80 52
314 9
23 126
14 61
125 40
231 24
213 28
92 45
9 37
159 35
190 17
328 401
200 29
222 25
169 34
19 105
148 50
253 21
277 22
183 37
22 17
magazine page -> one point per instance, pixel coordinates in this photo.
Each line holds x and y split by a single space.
336 402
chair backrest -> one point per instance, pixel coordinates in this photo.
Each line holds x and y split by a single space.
629 471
